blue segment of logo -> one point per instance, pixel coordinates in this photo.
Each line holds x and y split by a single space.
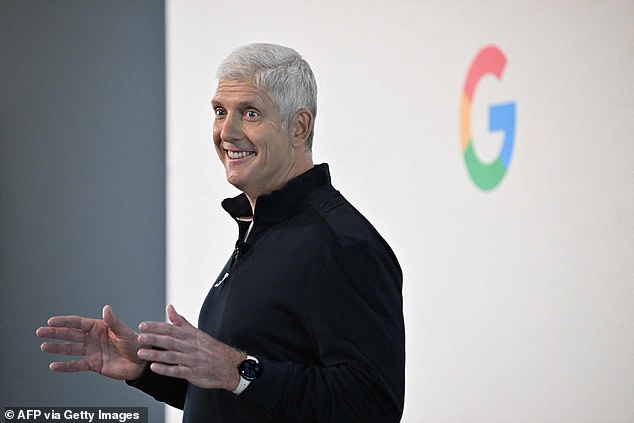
502 118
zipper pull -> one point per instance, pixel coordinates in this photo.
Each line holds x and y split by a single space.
217 284
234 257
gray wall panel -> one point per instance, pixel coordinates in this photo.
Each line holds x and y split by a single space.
82 183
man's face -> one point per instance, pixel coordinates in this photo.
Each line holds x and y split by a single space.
252 142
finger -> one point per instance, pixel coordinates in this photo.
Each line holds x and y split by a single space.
162 328
66 349
69 366
76 322
64 334
180 372
166 357
165 342
176 318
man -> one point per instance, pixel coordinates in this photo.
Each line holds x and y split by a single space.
305 321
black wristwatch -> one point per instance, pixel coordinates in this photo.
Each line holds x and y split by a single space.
249 370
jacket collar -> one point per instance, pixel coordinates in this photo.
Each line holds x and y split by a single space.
281 204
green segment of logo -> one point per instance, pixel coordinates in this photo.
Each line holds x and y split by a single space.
485 176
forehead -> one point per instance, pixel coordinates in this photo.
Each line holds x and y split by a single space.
231 91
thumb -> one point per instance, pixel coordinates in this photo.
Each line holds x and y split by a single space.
117 326
176 318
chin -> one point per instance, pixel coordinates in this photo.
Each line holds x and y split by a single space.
236 181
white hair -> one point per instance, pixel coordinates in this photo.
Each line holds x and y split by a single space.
279 71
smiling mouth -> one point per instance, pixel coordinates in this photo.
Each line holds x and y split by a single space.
238 154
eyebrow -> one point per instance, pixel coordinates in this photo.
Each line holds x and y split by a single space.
240 105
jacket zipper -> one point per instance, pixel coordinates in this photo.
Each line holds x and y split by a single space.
241 247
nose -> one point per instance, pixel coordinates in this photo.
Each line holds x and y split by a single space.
230 128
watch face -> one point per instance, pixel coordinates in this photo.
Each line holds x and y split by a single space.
250 369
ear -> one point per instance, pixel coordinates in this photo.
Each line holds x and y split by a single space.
301 127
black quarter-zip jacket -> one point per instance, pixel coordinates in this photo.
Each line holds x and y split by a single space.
315 294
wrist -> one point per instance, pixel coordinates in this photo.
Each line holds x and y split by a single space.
130 371
233 376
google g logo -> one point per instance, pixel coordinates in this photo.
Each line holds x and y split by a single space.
489 60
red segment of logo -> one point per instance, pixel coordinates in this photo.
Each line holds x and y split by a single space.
489 60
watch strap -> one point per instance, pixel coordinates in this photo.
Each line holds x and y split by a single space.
242 385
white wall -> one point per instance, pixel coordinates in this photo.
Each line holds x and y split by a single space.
519 301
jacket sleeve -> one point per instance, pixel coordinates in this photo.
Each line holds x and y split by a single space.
166 389
355 318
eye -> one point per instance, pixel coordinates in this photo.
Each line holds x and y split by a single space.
252 114
219 112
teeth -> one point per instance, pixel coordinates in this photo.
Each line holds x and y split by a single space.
238 154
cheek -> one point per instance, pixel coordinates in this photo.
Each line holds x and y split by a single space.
216 142
220 154
216 133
